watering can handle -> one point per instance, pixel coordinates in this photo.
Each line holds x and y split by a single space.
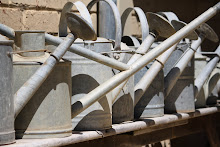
142 18
114 8
67 8
169 15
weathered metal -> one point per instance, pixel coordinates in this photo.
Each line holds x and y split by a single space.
88 54
86 76
24 94
48 113
123 106
200 62
149 99
204 84
7 31
155 31
179 82
149 102
97 116
207 70
67 8
131 41
106 87
141 17
181 48
172 77
51 100
52 40
107 22
30 40
7 133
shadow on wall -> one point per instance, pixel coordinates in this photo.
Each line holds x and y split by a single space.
186 10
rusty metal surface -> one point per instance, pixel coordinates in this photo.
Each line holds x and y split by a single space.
47 114
7 134
30 40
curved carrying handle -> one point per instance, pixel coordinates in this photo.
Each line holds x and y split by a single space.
169 15
114 8
67 8
142 18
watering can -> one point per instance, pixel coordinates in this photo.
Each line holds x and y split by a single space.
180 98
27 91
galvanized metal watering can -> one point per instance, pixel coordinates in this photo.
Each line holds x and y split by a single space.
97 116
25 93
123 102
101 90
149 97
179 98
6 96
201 95
47 114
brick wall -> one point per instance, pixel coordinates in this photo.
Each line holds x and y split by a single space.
35 14
45 14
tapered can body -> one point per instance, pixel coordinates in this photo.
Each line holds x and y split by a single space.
48 113
86 76
7 134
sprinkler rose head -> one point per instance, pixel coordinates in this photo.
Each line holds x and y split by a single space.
209 33
159 25
179 25
80 27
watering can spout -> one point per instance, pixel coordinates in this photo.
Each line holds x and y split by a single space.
217 6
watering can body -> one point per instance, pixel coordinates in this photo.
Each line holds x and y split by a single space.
181 97
87 75
123 106
7 133
47 114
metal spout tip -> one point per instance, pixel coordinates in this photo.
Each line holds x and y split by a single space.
217 6
80 27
